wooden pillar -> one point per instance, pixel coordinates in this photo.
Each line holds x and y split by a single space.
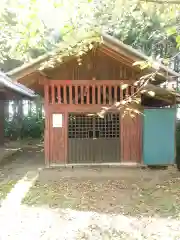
47 129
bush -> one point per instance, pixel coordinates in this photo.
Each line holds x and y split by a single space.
29 127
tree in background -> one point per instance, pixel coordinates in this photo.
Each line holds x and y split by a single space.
31 28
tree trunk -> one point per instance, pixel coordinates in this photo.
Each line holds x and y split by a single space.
20 116
2 104
6 110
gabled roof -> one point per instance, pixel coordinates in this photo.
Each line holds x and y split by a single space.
6 82
136 55
118 47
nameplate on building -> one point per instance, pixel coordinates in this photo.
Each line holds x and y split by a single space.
57 120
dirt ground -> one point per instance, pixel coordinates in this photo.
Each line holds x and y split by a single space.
91 203
30 158
134 192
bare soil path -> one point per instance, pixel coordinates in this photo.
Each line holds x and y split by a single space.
28 159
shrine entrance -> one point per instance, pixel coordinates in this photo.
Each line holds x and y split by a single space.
92 139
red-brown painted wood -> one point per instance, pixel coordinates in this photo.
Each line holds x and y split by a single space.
52 93
59 94
56 139
93 94
70 95
131 139
82 94
76 94
65 96
47 130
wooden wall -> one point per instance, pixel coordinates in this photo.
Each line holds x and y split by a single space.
56 138
94 65
131 139
82 85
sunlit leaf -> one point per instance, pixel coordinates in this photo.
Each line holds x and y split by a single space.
138 63
178 39
171 31
123 102
156 65
145 65
124 86
151 93
117 104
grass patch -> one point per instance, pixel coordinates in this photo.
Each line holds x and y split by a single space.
6 187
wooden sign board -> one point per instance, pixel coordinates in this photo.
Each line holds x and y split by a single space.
57 120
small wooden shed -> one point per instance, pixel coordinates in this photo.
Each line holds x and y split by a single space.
9 91
74 92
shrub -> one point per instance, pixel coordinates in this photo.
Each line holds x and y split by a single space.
28 127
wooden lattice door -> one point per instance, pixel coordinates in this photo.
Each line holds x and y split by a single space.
92 139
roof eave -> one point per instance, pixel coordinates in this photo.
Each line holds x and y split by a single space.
107 38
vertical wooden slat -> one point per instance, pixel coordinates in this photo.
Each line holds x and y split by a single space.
121 94
87 89
132 90
82 94
110 94
99 95
104 94
46 94
65 95
59 94
52 93
127 92
76 94
70 94
93 94
115 93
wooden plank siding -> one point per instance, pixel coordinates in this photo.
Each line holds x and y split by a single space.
131 139
96 65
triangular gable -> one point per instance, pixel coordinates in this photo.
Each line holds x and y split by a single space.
110 46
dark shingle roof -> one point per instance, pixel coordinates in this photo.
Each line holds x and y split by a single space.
17 87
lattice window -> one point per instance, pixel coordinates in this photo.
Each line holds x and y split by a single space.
82 126
107 127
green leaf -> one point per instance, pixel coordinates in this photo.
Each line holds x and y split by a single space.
171 31
178 39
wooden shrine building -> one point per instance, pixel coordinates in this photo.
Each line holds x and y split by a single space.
73 94
9 91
